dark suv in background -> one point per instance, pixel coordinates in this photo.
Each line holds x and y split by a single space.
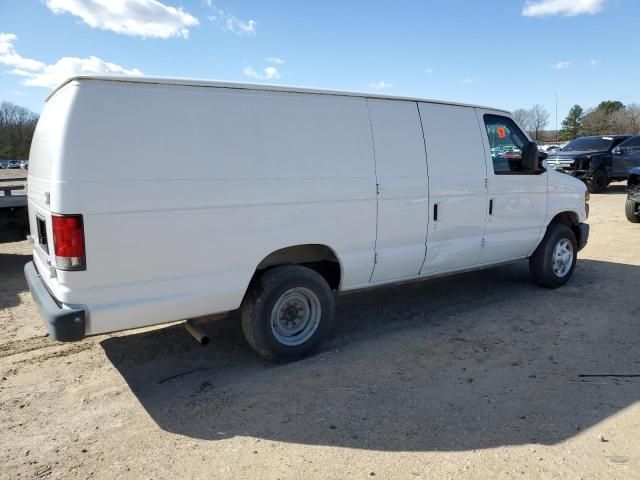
590 159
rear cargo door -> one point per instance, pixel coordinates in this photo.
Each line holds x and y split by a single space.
45 159
401 173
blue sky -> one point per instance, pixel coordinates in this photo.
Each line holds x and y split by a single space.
503 53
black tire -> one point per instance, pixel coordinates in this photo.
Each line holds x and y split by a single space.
259 305
631 211
598 182
541 262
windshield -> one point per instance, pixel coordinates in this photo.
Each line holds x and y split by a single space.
589 144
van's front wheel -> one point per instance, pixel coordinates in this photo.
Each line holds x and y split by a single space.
287 312
552 263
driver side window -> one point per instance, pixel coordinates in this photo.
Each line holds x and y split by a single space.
506 142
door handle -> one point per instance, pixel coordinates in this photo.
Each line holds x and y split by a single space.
491 206
435 212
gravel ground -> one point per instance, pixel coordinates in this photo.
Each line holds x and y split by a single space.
471 376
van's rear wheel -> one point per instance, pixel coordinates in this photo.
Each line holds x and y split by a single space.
287 313
552 263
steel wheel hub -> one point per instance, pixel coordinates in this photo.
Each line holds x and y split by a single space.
562 257
295 316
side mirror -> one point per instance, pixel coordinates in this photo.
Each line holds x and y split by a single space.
617 151
531 156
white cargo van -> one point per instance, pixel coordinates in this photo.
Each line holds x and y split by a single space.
154 200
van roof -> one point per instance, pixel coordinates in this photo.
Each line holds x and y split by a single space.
251 86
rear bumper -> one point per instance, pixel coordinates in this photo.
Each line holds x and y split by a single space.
584 235
63 323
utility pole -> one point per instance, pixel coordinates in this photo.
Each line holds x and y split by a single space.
557 136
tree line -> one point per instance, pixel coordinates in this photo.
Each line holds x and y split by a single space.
16 131
609 117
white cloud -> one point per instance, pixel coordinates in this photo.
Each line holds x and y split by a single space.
274 60
381 85
249 71
232 23
569 8
269 73
429 71
142 18
561 65
39 74
594 62
53 75
20 72
467 81
239 27
9 56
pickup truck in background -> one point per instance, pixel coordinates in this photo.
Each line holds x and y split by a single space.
590 159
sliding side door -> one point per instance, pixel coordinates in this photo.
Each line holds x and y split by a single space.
457 191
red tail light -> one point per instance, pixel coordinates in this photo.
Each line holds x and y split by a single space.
68 242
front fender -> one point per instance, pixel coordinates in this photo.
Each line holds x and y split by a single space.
566 194
634 178
601 161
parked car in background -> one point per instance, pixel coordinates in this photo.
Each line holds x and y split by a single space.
24 164
548 148
3 164
590 160
13 164
626 156
632 206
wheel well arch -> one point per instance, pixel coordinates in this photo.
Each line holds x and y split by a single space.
565 218
570 219
600 162
318 257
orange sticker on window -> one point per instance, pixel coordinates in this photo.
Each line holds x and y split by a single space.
502 132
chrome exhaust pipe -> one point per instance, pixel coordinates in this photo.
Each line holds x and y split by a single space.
196 332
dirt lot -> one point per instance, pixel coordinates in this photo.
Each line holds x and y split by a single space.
472 376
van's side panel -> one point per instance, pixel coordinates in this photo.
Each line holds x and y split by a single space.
457 175
184 190
401 169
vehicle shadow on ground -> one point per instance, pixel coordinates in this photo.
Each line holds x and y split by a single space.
12 281
472 361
